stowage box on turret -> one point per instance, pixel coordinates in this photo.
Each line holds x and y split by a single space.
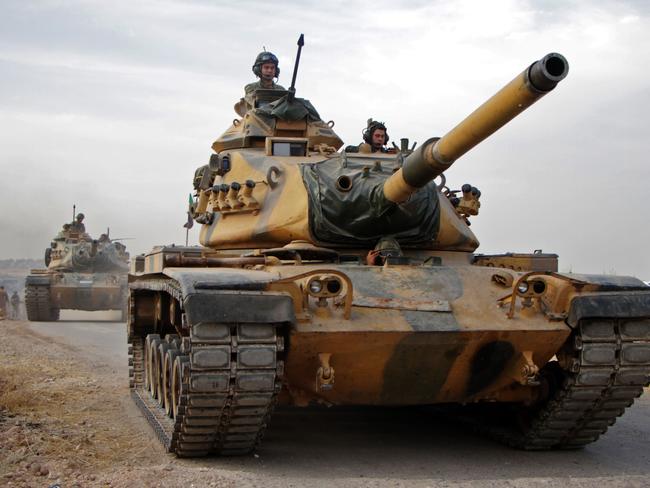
349 278
81 274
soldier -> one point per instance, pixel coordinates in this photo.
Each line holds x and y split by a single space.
375 139
15 306
266 69
65 232
3 302
78 225
376 136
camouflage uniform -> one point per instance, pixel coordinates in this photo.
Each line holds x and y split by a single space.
263 58
15 306
63 233
251 87
78 224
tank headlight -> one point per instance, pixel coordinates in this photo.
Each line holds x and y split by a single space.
522 287
315 286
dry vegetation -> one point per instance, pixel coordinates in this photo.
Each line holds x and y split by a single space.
66 421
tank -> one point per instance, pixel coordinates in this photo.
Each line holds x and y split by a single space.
350 278
81 273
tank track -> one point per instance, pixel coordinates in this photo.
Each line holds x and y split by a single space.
38 305
605 366
231 376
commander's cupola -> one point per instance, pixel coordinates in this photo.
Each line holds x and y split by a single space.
274 113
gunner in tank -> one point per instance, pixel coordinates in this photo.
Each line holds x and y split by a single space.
267 69
375 138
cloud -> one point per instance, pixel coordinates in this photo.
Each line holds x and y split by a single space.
113 105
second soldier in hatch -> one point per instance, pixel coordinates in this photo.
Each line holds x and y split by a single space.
376 136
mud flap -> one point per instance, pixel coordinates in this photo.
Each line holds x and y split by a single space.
37 280
610 305
210 306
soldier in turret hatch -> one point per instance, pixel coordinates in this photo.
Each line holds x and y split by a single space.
64 232
78 225
375 138
266 68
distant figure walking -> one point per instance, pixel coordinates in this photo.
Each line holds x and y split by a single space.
15 306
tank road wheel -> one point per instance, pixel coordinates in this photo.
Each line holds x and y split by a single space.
178 388
168 371
174 340
154 369
161 352
147 360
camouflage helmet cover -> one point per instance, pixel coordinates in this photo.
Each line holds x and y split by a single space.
80 216
263 58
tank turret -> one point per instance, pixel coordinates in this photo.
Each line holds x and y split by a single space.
276 176
74 251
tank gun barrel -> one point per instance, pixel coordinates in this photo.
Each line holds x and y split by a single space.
437 154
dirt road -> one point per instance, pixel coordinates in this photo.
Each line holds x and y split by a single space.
66 415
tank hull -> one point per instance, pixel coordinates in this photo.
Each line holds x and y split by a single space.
240 340
54 291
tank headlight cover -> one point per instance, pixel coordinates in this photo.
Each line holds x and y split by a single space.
539 287
522 287
334 286
315 286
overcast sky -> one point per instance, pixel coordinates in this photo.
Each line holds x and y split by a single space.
112 105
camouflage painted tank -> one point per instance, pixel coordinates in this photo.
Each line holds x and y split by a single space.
349 278
82 274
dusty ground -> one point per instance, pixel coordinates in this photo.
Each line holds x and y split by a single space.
67 421
66 418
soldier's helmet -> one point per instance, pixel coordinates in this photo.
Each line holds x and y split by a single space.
263 58
80 216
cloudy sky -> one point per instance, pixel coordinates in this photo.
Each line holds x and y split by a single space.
112 105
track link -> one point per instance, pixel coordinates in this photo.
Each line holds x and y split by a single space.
231 375
605 366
